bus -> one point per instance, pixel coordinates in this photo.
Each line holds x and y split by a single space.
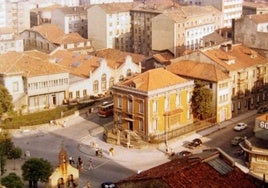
106 109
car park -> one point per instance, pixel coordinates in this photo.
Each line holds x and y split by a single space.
236 140
240 126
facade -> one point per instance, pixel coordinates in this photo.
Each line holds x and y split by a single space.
48 37
245 67
252 31
109 26
9 41
151 105
216 80
15 14
182 28
141 23
39 16
33 83
255 8
257 159
65 175
71 19
231 9
92 75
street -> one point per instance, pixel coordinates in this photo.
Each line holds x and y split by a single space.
77 139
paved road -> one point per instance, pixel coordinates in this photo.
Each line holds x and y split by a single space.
77 136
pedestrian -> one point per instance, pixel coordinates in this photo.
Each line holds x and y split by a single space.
80 163
71 161
90 164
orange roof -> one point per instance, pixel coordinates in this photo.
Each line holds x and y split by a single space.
243 57
154 79
28 64
70 38
197 70
259 18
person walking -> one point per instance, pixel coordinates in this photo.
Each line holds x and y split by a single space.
90 164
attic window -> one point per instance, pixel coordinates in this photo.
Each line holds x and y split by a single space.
76 64
132 84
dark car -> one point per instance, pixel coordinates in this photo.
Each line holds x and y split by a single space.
195 142
262 109
184 153
236 140
108 185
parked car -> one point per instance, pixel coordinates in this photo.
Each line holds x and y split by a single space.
240 126
195 142
262 109
108 185
184 153
236 140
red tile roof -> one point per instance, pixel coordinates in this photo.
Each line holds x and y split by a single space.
191 172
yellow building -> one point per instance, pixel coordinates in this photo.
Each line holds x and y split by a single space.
65 175
153 103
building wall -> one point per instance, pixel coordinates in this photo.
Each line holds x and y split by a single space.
8 42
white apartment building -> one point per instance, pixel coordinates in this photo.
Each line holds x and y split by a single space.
9 41
231 9
183 28
71 19
109 26
15 14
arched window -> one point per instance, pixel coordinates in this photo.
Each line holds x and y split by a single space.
121 78
103 82
111 82
129 72
96 86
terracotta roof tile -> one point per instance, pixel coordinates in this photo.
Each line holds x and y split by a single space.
111 8
242 57
197 70
154 79
70 38
29 64
259 18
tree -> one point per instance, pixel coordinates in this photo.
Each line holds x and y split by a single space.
14 153
12 180
36 169
6 104
201 101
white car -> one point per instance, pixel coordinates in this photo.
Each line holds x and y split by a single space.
240 126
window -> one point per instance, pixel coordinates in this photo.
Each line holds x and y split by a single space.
129 72
141 125
121 78
166 103
96 86
130 105
103 82
178 99
15 86
154 106
77 93
141 107
70 95
84 92
111 82
155 124
119 101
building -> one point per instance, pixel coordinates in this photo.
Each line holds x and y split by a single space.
255 8
183 28
216 80
42 15
152 105
33 82
231 9
9 41
15 14
252 31
141 23
94 75
210 168
65 175
109 26
245 67
71 19
48 37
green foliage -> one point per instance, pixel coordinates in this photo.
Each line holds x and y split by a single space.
201 101
6 104
14 153
36 169
12 181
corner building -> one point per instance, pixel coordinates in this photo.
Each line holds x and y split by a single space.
153 103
